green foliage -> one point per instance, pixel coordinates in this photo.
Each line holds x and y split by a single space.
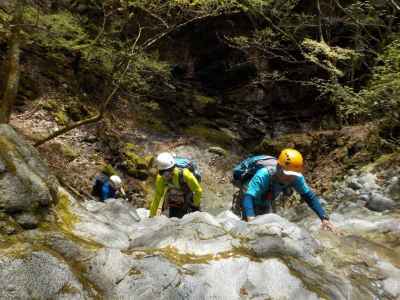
57 31
4 23
144 71
199 7
350 106
203 6
326 56
383 92
62 31
379 99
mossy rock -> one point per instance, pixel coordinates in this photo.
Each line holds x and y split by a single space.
66 218
6 147
137 173
218 150
130 147
8 225
136 165
109 170
210 135
385 161
201 103
61 117
77 111
50 105
155 125
275 146
133 159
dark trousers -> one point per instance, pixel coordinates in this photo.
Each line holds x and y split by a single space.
177 212
179 203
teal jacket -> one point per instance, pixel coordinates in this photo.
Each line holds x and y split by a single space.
261 184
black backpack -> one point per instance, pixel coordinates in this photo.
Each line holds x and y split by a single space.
248 167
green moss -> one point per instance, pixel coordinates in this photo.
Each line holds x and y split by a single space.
61 117
382 162
14 246
66 219
181 259
204 99
151 105
301 142
130 147
8 225
201 102
209 134
50 105
5 148
109 170
65 150
68 289
154 124
134 272
63 29
136 165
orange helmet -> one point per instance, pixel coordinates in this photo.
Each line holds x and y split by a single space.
291 161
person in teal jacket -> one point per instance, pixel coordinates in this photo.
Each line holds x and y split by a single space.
179 188
267 184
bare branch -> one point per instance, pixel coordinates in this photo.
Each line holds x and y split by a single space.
94 41
153 15
321 35
149 43
395 4
356 21
100 115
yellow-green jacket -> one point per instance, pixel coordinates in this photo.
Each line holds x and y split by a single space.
162 185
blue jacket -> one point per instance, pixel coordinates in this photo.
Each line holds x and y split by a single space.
107 191
260 184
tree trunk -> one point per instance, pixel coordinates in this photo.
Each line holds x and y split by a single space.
12 65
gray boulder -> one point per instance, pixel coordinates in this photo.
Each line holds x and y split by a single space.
38 275
25 183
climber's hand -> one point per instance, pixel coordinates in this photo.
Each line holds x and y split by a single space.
328 226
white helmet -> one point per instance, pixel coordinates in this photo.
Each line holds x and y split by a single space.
116 181
165 161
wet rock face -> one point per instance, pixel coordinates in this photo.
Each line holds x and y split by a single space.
202 256
25 182
109 250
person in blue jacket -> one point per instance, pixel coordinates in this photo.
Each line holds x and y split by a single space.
112 188
267 184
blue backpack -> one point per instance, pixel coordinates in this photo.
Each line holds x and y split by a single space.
98 184
247 168
186 163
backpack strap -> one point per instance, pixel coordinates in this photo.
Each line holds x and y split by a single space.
188 199
182 183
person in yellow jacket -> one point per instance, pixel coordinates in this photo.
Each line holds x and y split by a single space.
178 188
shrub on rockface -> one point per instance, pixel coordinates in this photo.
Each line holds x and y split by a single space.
98 53
379 100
